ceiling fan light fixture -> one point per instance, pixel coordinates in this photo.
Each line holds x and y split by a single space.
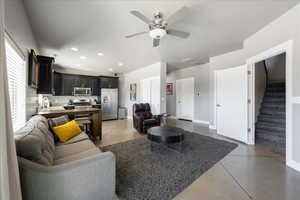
157 33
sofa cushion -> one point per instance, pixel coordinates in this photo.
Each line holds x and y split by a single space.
57 121
150 121
77 138
35 142
77 156
63 151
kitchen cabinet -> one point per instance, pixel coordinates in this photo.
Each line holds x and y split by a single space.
93 83
65 83
57 84
68 83
108 82
46 75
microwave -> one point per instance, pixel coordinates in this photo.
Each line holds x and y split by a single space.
78 91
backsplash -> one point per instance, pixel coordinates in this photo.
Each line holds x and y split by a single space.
31 102
63 100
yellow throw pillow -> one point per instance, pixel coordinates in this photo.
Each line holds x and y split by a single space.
67 131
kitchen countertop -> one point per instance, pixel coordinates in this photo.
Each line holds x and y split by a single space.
64 111
96 117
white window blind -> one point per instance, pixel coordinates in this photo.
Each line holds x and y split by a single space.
16 74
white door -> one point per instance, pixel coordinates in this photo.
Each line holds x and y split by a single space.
185 98
231 99
150 93
145 91
155 96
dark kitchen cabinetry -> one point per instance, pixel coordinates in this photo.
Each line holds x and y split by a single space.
108 82
68 83
94 83
57 84
65 83
46 75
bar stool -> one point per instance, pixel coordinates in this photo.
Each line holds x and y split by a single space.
85 123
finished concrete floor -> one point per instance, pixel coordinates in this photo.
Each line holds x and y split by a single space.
248 172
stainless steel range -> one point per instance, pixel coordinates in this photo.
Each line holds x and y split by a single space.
85 103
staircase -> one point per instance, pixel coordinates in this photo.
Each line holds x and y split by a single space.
270 125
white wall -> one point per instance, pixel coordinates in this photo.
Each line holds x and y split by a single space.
279 31
155 70
18 26
201 101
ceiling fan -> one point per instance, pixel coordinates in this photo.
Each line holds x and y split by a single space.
158 27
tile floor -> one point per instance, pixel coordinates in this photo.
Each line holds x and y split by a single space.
248 172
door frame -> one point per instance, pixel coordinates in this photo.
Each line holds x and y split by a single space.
287 48
193 104
215 127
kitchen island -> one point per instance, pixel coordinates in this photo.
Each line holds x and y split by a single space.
96 117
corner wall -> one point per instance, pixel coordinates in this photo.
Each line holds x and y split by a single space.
200 73
281 30
155 70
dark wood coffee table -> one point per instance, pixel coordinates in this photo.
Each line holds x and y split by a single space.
166 135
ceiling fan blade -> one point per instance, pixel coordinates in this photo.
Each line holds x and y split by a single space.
136 34
140 16
155 42
179 14
177 33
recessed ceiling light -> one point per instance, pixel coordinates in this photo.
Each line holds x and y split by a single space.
82 57
100 54
110 69
120 64
74 49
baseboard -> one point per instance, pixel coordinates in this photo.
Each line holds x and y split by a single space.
201 122
293 164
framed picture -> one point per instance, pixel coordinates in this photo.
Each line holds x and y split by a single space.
169 88
33 70
133 92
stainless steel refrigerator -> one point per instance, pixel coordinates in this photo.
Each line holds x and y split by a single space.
109 103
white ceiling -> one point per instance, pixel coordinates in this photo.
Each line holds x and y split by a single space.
100 26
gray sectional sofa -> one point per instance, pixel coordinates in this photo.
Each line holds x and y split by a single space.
74 170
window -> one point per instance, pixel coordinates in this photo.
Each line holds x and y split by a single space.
16 74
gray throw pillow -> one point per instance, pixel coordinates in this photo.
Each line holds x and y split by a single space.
57 121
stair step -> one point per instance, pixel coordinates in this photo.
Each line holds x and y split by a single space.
276 128
272 146
276 108
275 94
275 89
272 112
274 100
272 85
269 132
272 138
271 119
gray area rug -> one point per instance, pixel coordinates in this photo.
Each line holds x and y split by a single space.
162 173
